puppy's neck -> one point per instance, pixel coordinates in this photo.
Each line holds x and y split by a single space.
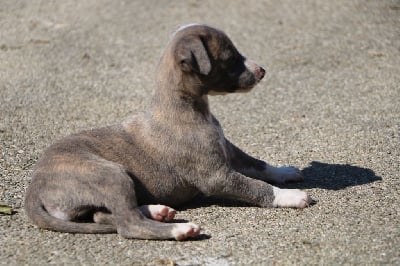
178 95
177 104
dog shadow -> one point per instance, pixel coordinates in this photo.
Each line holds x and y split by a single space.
334 176
317 175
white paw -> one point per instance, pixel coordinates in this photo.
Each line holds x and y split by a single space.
159 213
291 198
285 174
185 230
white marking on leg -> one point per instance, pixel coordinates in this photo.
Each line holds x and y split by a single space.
290 198
185 230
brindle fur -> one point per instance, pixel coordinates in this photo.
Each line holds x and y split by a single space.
166 155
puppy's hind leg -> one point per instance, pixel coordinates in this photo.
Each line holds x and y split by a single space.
158 212
178 231
135 225
129 219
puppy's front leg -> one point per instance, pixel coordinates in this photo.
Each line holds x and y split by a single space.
230 184
255 168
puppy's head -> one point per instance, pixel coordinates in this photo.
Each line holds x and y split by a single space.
208 58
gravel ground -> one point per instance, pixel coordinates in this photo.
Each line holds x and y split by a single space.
330 104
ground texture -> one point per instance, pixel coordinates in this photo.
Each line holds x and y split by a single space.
329 104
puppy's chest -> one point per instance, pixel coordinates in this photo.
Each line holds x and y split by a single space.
188 143
209 138
220 139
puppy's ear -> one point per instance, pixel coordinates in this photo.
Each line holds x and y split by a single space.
192 56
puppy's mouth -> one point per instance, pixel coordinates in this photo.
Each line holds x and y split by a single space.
216 93
240 90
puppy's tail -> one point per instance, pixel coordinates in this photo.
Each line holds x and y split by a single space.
37 213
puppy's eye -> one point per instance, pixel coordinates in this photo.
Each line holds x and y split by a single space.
236 60
236 67
229 64
232 61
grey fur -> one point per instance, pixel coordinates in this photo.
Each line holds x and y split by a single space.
167 155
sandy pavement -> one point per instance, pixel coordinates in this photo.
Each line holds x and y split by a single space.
330 104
